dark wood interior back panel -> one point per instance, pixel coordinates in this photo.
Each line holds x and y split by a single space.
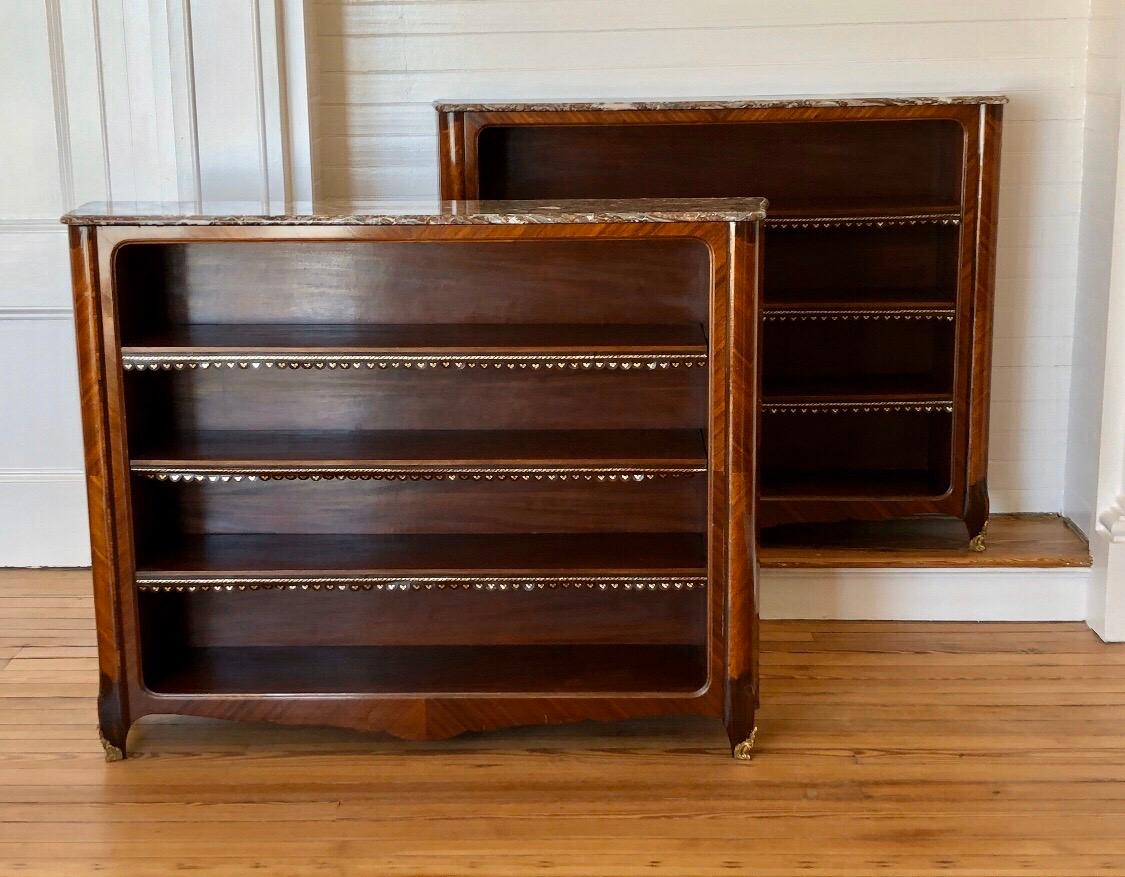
841 358
283 399
794 164
438 506
549 281
350 618
869 454
906 263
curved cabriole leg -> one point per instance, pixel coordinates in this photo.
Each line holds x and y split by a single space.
976 514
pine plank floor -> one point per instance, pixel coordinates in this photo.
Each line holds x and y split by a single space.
885 749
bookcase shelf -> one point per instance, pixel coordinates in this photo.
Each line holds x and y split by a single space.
411 557
863 215
433 478
420 346
453 670
877 288
562 454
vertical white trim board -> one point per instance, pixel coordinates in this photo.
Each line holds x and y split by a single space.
909 594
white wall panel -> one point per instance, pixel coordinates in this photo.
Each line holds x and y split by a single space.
34 266
380 64
39 386
44 515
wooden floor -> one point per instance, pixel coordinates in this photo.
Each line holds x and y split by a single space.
1020 540
885 749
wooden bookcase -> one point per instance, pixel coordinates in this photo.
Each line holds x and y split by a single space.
422 469
877 295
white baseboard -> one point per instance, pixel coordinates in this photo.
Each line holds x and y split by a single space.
1057 594
43 518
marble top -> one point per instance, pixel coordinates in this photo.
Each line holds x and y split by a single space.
415 212
782 102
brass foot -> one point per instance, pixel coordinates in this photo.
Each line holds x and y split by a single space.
112 753
744 750
977 542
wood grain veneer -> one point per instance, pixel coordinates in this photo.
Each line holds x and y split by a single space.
878 283
450 474
955 749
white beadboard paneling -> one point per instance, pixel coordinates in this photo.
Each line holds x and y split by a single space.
1044 135
1042 445
1014 352
925 594
634 50
349 18
1032 383
39 393
44 518
1002 501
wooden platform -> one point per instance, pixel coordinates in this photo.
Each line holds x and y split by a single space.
1011 541
884 749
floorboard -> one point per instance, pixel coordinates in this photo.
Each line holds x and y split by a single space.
885 749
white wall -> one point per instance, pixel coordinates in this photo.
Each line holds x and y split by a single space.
129 99
42 493
380 64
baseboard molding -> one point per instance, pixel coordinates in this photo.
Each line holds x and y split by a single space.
996 594
44 518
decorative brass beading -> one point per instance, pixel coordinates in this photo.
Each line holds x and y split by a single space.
422 583
559 361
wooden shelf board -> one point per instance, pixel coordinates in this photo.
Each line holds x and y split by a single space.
541 669
408 449
437 338
894 389
301 555
847 301
781 212
1011 541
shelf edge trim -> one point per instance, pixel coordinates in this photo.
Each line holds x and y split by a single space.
459 473
421 583
798 222
921 406
180 361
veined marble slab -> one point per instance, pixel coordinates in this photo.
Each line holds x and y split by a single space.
416 212
792 102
